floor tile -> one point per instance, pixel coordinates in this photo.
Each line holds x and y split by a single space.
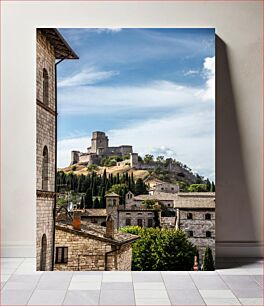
15 297
258 279
178 282
118 297
5 277
87 297
248 293
117 286
87 278
234 271
24 278
217 294
2 284
54 281
47 297
243 281
147 277
209 282
185 297
85 286
151 294
251 301
223 301
150 302
11 259
149 286
255 271
117 277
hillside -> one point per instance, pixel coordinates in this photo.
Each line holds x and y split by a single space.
173 172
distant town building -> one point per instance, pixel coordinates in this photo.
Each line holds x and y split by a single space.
51 46
84 246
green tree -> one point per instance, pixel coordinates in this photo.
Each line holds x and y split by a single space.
140 187
148 158
82 203
88 199
212 187
96 203
160 159
208 260
121 190
161 250
208 185
198 188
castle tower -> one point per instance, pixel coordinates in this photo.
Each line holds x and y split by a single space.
51 46
112 204
75 157
99 143
134 160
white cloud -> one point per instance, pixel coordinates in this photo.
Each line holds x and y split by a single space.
110 30
191 72
208 93
87 77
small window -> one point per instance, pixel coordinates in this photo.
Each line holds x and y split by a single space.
114 202
45 169
61 255
168 204
128 214
207 216
139 222
128 222
172 188
150 222
189 216
162 188
149 214
45 87
190 234
208 234
139 214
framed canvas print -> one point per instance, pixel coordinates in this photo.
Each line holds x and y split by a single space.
125 149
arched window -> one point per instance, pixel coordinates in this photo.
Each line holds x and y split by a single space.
207 216
43 253
45 87
45 169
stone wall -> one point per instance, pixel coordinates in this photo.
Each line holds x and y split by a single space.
134 216
199 225
44 220
46 120
88 254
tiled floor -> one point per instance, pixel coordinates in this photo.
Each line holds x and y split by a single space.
236 282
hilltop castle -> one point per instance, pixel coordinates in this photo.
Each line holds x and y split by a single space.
100 148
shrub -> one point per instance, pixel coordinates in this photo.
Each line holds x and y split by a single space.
92 167
198 188
208 261
161 250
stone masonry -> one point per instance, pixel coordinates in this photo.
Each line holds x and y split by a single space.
50 46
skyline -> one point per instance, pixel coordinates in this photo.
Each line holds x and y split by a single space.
156 83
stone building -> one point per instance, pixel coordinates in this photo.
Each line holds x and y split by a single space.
195 215
51 46
83 246
100 148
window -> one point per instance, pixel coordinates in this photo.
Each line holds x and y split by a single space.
150 222
190 234
128 214
168 204
139 222
207 216
114 202
61 255
45 169
172 188
45 87
189 216
128 222
162 188
139 214
208 234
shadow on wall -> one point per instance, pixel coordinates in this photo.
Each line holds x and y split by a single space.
234 218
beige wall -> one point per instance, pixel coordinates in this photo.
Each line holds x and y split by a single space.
239 107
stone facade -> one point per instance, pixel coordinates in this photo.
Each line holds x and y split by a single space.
201 231
89 249
144 218
47 51
46 123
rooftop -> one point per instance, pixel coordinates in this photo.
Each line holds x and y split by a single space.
62 48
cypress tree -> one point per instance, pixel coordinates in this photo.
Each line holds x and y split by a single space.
208 185
208 261
88 199
82 203
96 203
212 187
140 187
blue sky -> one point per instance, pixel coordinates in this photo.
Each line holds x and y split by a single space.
152 88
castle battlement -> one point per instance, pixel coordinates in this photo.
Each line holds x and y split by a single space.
100 148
